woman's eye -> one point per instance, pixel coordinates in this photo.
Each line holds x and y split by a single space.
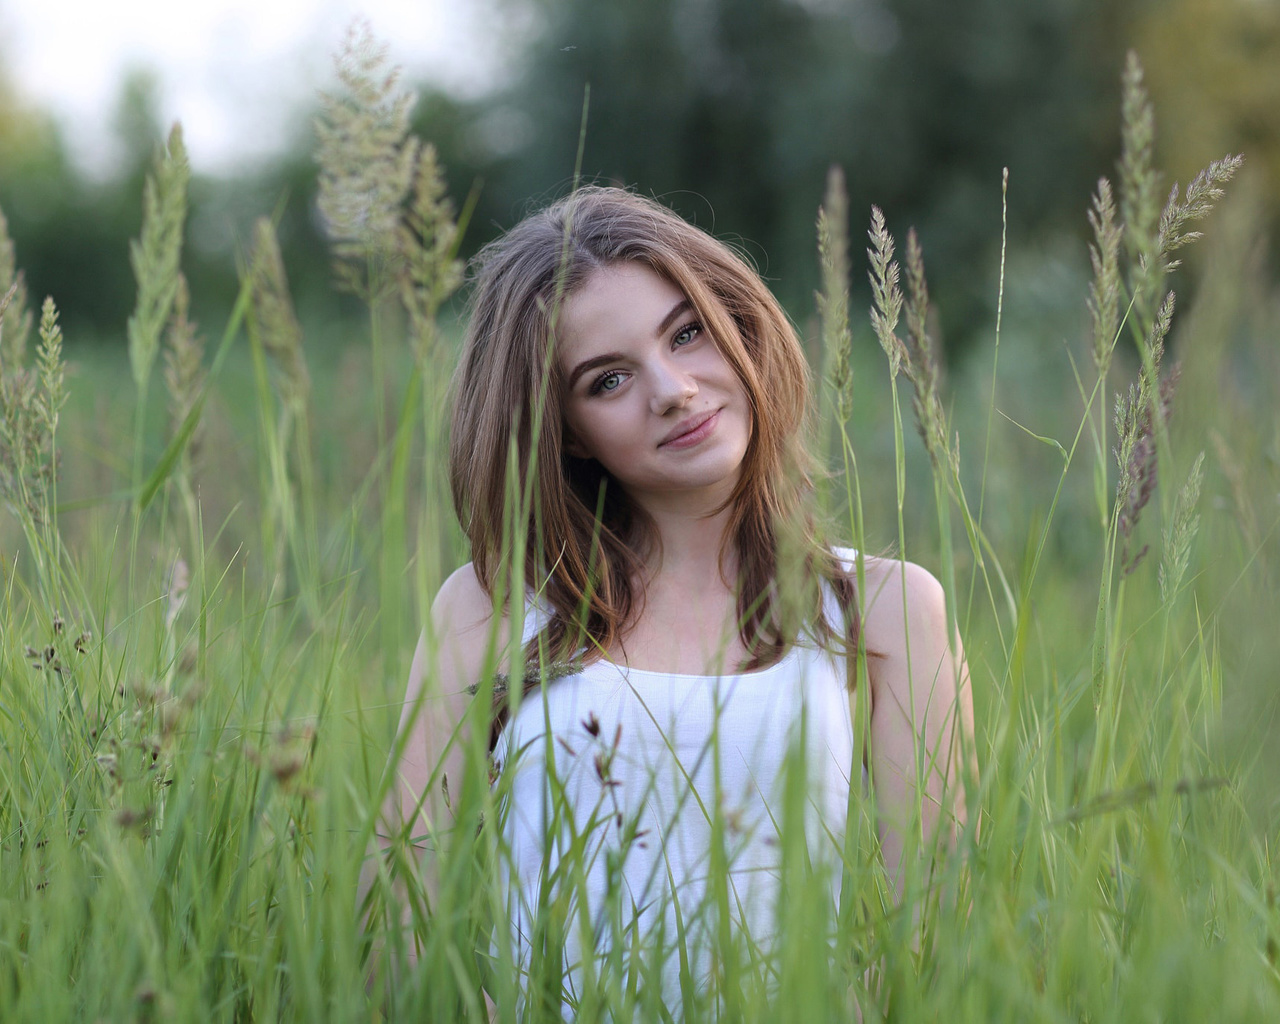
686 334
610 381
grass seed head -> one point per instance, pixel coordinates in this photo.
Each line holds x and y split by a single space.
923 366
1153 345
15 318
30 402
157 253
1201 195
429 269
129 818
886 295
109 764
1137 412
277 324
833 299
1180 534
367 161
1139 181
53 394
1104 290
183 367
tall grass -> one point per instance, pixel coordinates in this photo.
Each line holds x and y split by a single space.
202 647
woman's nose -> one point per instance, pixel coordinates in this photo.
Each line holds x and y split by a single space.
672 389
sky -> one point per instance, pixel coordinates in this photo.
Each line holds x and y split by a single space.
235 72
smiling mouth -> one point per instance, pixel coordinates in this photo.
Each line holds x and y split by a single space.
692 431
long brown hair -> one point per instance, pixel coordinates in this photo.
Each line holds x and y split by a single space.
584 540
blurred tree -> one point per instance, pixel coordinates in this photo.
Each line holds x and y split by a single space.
734 110
1213 67
33 167
72 235
27 135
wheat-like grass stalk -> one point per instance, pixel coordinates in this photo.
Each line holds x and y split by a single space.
833 299
367 162
184 374
185 379
1139 181
886 293
22 466
923 367
1199 199
1130 256
276 334
1138 415
1180 533
31 400
1104 290
274 317
15 318
156 257
157 253
917 356
428 241
53 392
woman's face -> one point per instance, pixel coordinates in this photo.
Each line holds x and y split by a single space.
649 394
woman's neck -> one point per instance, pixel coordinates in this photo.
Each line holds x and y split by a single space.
691 547
687 620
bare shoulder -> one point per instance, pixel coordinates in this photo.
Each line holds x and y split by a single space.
461 635
903 603
461 603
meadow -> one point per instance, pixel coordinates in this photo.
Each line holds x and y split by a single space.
218 552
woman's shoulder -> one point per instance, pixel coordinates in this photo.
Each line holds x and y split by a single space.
891 576
901 599
462 600
463 612
458 641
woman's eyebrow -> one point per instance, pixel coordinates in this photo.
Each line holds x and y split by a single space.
680 307
592 363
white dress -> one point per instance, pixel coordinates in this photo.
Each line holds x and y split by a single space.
630 767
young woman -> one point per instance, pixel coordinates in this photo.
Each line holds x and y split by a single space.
686 633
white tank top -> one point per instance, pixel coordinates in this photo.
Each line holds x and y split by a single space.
628 766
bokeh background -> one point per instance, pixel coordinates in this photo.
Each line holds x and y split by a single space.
732 110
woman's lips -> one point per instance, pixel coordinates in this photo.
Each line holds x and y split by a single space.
692 431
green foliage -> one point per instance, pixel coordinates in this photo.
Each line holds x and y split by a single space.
1214 68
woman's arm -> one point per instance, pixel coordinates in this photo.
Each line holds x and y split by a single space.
449 658
922 711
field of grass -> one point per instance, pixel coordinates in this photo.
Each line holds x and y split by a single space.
206 618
